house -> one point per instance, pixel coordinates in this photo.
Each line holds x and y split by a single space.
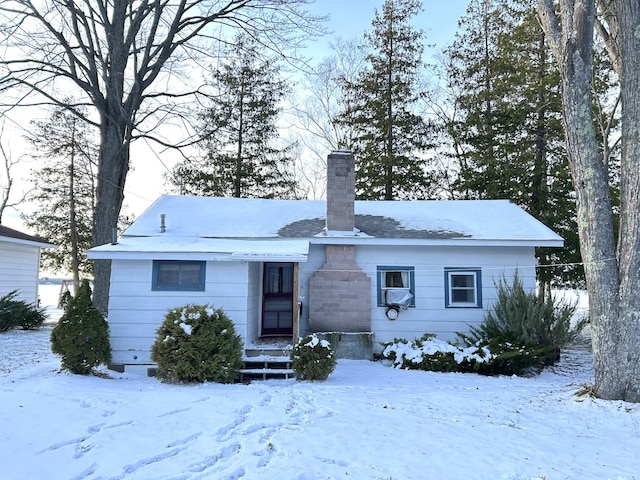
284 268
20 263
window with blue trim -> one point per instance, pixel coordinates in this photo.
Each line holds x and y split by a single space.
180 275
463 288
395 277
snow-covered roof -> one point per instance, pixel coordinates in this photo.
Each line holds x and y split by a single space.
10 235
190 248
224 225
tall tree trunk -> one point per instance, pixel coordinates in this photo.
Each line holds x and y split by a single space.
113 165
571 41
73 224
238 177
116 118
627 16
388 188
539 187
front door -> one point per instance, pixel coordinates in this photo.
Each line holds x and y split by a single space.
278 312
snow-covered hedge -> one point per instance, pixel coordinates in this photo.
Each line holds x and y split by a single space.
197 343
429 353
492 358
313 359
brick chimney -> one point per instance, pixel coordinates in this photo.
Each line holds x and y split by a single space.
340 292
341 183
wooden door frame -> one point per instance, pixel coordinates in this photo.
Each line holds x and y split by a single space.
295 308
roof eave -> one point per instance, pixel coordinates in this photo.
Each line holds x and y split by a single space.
476 242
30 243
205 256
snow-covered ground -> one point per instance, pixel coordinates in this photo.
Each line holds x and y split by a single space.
367 421
48 296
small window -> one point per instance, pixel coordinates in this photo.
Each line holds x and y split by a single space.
395 278
463 288
178 275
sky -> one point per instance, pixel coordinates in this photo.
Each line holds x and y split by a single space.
145 181
367 421
439 19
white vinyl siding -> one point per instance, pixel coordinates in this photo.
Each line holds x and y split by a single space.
19 268
430 314
136 311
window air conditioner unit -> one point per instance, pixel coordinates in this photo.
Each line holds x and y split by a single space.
399 298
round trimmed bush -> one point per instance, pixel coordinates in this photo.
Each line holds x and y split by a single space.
81 336
313 359
197 343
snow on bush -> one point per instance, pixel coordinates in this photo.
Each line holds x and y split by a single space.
197 343
429 353
415 351
313 359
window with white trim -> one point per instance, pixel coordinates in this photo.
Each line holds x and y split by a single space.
397 278
463 288
179 275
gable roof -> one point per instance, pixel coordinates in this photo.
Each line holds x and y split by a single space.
10 235
214 217
228 225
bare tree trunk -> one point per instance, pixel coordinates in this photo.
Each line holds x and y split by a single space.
612 277
7 184
5 189
626 15
571 41
238 173
540 188
113 167
73 225
388 186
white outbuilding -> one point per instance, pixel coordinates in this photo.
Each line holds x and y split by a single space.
285 268
20 263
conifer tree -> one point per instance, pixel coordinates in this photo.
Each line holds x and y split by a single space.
389 137
64 190
242 155
508 132
81 336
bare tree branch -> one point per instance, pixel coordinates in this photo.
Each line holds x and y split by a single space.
132 61
6 177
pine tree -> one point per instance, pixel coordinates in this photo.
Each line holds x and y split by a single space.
64 191
508 133
389 138
241 140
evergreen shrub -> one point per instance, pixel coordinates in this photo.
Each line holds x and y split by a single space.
430 354
313 359
523 329
197 343
81 336
18 313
